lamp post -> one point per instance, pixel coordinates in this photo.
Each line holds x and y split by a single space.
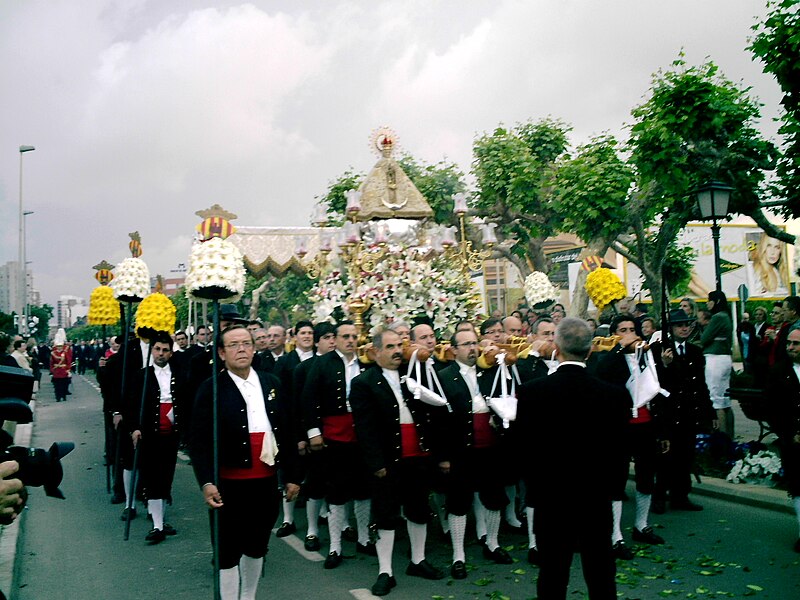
712 199
25 293
22 282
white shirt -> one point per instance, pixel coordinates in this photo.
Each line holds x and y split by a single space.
250 388
680 348
393 377
351 369
164 379
796 368
470 375
145 346
304 354
571 362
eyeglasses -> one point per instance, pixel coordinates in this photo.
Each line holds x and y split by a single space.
237 345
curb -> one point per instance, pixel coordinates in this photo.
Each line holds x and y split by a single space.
743 493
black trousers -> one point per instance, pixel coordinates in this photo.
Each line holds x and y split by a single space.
407 485
674 469
562 526
478 470
314 486
159 454
640 444
790 460
249 512
345 472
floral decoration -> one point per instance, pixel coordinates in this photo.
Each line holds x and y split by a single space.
156 312
400 288
103 307
604 287
215 263
539 291
761 468
131 280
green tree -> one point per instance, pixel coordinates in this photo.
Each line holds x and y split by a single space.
515 171
696 126
777 45
278 300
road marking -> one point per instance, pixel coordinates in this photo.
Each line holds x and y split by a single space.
295 543
362 594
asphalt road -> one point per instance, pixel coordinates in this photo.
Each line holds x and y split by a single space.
74 548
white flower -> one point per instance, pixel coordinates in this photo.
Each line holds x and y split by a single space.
131 279
538 289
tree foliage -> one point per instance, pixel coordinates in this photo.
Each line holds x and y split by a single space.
777 45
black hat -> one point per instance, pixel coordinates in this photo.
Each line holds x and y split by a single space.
679 316
229 312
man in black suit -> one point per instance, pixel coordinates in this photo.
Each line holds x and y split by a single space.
254 441
328 418
276 342
573 506
284 370
472 451
158 432
393 431
783 394
688 411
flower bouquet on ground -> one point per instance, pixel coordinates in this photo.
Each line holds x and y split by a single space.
757 468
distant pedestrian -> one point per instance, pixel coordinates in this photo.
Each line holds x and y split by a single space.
61 366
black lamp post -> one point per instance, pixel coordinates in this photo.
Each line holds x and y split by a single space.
712 199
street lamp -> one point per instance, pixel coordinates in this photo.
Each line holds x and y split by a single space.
26 297
22 281
712 199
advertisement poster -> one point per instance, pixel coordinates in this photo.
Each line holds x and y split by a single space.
747 256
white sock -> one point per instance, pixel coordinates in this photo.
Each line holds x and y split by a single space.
362 508
156 510
458 528
511 509
288 511
229 583
312 515
335 520
796 502
642 510
438 504
531 536
616 511
480 516
384 546
127 480
416 536
492 528
324 511
348 515
250 569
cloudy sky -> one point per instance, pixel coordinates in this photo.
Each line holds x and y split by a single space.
143 112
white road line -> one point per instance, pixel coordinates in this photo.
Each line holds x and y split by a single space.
295 543
362 594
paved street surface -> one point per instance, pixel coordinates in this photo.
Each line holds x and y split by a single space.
74 549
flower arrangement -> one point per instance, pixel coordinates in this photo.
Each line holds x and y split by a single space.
216 268
604 287
155 313
132 280
103 308
539 292
400 288
761 468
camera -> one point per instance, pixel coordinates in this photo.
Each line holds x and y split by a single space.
37 467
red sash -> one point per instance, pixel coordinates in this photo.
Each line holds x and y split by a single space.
410 441
258 470
643 416
339 428
482 430
164 424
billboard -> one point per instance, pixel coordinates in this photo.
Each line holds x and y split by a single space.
747 256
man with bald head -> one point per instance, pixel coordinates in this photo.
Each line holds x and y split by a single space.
512 326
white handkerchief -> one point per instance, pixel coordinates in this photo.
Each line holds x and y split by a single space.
269 448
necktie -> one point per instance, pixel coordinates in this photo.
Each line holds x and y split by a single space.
680 350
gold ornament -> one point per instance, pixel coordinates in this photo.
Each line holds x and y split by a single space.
103 307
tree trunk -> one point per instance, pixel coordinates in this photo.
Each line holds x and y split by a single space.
579 305
256 294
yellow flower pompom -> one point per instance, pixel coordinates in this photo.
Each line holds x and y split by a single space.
604 287
156 313
103 307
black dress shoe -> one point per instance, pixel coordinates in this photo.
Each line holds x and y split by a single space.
155 536
333 560
349 535
169 529
659 507
384 585
458 570
646 536
621 551
685 505
117 499
533 556
124 516
312 543
286 529
425 570
368 549
498 555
